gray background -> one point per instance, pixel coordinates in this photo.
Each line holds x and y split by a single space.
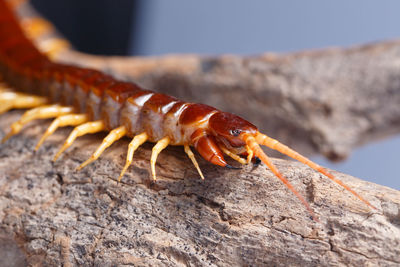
251 27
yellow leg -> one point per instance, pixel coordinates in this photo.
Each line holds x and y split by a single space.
89 127
62 121
35 27
5 106
7 94
113 136
54 46
234 156
44 112
250 154
191 156
10 100
137 141
163 143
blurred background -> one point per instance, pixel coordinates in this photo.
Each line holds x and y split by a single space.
156 27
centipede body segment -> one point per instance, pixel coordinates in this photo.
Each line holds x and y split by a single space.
93 101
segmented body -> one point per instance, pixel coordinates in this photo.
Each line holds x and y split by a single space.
98 102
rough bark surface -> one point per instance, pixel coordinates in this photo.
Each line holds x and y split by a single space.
52 215
326 101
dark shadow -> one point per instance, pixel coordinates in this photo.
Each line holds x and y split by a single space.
93 26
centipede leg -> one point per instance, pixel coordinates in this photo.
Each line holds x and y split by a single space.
276 145
10 100
233 156
36 27
250 154
113 136
6 99
4 107
193 159
137 141
163 143
62 121
52 47
43 112
89 127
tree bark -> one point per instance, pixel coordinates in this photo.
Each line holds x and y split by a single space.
52 215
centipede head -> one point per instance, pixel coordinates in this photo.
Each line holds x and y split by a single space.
235 136
230 129
224 133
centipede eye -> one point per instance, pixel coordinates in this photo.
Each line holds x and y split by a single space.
235 132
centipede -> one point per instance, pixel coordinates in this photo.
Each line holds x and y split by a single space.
92 101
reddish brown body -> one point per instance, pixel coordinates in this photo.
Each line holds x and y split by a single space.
102 97
100 102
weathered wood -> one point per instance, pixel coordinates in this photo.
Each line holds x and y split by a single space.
235 217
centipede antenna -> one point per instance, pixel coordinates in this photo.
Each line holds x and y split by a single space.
137 141
163 143
251 142
89 127
113 136
276 145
